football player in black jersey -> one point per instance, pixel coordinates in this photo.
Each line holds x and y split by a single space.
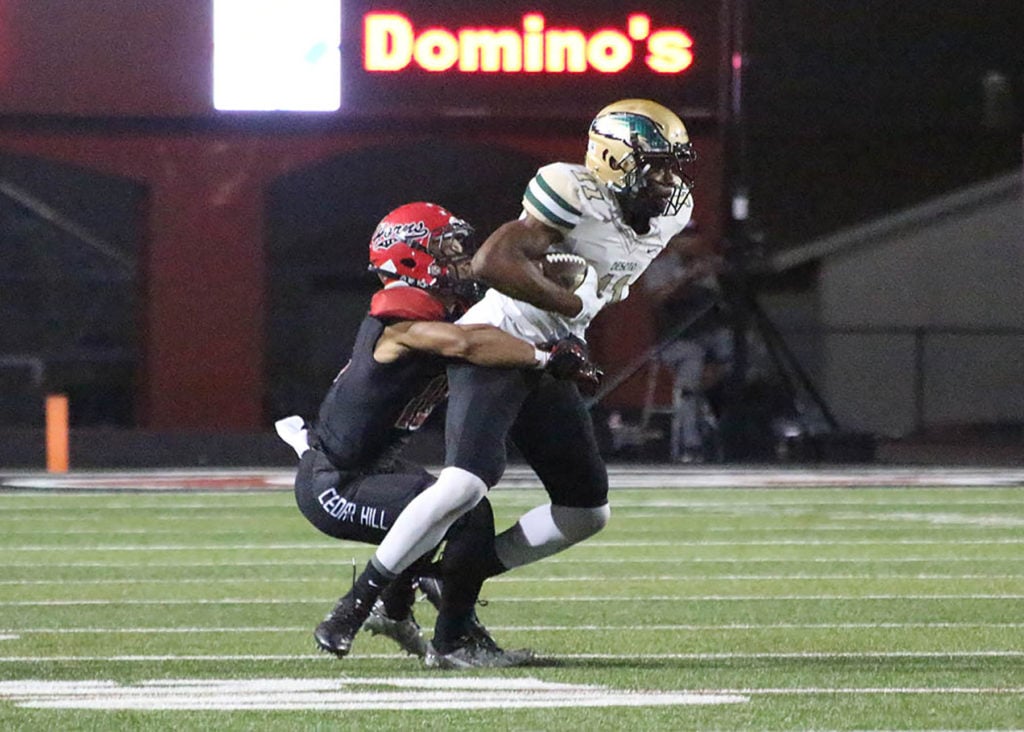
352 482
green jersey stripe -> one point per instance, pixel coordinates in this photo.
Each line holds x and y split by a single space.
546 212
557 199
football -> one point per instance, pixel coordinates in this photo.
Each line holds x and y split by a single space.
565 270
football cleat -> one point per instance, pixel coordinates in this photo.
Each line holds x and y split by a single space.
471 654
338 629
431 589
406 633
481 636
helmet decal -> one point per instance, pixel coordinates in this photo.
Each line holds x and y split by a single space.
632 129
388 233
421 244
629 137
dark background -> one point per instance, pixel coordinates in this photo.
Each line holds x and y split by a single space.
231 240
857 109
851 108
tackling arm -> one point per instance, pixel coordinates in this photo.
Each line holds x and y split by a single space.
508 260
483 345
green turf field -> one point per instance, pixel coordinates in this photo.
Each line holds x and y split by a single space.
868 608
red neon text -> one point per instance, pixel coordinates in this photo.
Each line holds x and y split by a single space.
391 43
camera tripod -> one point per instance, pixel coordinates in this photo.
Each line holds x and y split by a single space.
749 413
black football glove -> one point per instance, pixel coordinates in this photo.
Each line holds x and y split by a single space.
570 360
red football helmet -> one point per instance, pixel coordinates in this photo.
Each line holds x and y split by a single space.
421 244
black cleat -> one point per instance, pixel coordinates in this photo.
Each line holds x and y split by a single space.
336 633
481 636
406 633
470 654
431 589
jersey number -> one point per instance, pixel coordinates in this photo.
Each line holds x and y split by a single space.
420 407
617 287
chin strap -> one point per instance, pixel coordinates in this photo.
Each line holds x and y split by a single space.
406 303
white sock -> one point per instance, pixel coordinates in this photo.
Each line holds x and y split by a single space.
293 431
547 530
424 522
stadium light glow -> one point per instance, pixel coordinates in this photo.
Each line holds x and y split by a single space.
277 55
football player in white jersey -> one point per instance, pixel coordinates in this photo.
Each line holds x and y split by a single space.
617 211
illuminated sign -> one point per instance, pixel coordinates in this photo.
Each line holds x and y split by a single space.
392 43
277 55
530 58
361 59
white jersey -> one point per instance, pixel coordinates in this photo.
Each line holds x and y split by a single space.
573 200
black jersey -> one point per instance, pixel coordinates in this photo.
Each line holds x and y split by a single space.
371 408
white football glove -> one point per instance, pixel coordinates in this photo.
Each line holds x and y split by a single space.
592 303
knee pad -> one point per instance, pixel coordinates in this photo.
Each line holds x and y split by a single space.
462 489
577 524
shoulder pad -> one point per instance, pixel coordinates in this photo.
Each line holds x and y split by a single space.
557 192
406 303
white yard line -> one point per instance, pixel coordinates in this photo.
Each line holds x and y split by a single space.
533 628
531 580
940 523
1009 541
745 502
879 655
860 561
878 691
557 599
411 694
620 476
419 694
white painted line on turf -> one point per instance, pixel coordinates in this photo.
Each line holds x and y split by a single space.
334 547
883 691
520 476
811 542
860 561
799 655
9 636
937 527
77 548
934 519
396 694
340 694
531 580
536 628
749 505
815 655
558 599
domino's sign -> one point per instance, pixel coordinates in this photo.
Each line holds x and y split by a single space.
392 43
420 58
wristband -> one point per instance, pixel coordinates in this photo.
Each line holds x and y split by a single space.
540 358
